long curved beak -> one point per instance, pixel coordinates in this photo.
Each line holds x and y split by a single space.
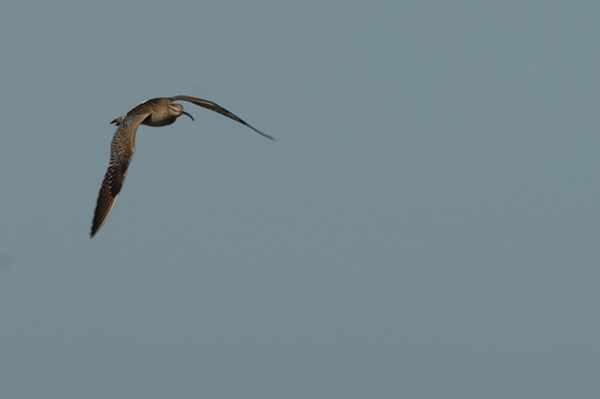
185 113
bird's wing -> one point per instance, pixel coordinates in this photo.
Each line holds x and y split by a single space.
122 148
217 108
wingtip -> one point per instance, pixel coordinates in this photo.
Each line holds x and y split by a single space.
259 132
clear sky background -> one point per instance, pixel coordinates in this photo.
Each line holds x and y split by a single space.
426 224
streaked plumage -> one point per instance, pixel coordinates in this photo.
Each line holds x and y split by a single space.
155 112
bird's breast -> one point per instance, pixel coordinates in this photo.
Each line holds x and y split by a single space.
157 120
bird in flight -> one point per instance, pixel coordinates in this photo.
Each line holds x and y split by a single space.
155 112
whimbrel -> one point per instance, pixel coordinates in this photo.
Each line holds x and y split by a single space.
155 112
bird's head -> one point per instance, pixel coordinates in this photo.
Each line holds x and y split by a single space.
177 110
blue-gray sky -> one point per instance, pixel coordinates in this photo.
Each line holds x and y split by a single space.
425 226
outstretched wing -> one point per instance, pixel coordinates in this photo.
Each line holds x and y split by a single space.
217 108
122 148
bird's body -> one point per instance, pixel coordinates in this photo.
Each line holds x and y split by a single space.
155 112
